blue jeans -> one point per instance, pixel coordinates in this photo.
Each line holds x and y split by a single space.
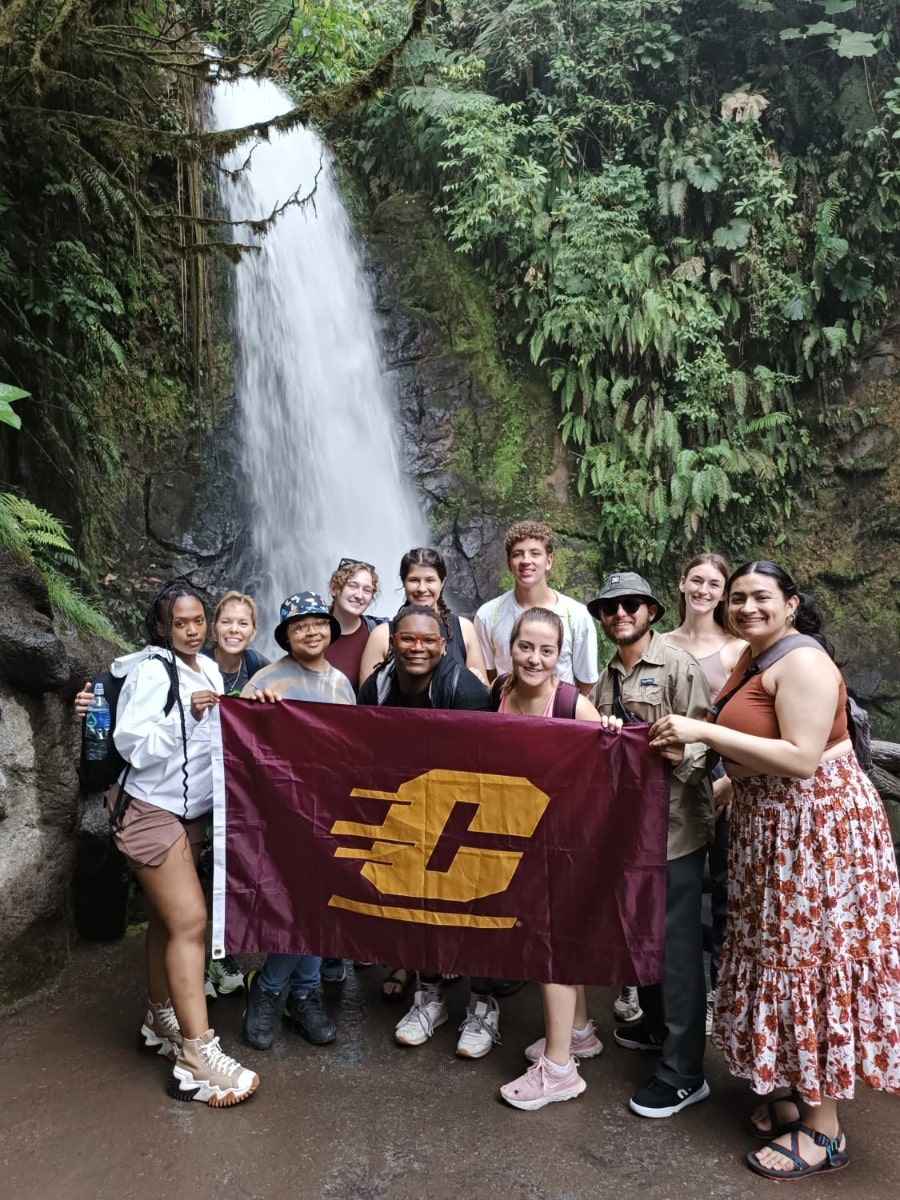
303 972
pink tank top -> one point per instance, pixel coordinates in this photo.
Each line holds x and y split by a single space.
548 707
713 668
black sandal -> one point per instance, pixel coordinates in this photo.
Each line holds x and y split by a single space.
776 1129
401 979
835 1158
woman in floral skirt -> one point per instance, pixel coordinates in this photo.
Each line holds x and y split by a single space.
809 986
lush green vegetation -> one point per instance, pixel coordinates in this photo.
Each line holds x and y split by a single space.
688 213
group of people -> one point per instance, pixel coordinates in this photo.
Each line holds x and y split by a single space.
807 983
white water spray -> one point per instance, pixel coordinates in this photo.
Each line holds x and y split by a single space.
318 424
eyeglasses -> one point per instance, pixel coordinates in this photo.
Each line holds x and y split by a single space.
609 608
430 641
317 624
354 562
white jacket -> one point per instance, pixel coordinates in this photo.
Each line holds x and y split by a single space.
151 740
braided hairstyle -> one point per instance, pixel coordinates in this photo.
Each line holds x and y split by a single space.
543 616
159 621
427 556
807 618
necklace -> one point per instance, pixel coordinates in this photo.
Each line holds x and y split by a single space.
230 678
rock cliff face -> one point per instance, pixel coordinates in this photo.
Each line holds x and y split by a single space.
39 672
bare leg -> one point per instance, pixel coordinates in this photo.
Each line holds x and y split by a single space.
822 1118
176 935
560 1002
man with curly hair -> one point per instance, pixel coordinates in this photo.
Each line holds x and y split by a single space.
529 553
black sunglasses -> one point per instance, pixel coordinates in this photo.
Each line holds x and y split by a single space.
354 562
631 604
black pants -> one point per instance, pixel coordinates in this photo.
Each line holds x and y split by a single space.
718 878
675 1010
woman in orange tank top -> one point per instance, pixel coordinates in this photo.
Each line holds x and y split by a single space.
808 993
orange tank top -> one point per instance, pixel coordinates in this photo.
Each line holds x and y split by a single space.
752 709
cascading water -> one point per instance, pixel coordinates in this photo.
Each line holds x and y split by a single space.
319 430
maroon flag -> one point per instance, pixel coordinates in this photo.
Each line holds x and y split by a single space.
447 841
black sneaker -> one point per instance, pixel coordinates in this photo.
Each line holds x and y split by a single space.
310 1018
637 1037
661 1099
260 1014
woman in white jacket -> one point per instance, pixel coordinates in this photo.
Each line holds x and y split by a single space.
158 818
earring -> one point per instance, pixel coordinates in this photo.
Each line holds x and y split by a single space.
790 621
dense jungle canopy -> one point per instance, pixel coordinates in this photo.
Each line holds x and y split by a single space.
687 213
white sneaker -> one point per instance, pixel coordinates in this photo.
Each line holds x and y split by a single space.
429 1010
204 1072
710 1008
626 1006
480 1029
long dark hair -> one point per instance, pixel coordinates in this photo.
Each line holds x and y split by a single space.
427 556
159 621
718 563
807 618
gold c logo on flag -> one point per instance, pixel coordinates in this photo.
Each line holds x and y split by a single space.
397 863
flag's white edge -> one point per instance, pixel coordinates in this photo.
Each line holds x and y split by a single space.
218 815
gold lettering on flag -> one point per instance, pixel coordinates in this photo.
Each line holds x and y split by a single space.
397 862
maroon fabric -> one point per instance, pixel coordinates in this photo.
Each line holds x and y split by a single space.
585 902
346 653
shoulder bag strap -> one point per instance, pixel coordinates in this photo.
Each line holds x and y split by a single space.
767 659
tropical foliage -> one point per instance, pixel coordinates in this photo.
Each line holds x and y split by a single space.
688 213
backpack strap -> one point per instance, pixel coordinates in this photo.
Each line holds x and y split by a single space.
566 700
767 659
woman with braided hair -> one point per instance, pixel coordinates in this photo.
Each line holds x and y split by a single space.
158 819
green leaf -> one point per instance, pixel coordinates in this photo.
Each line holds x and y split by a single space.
837 6
8 417
788 35
9 393
733 235
850 43
704 174
795 309
819 28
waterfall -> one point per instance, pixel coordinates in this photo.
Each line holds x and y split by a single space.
319 431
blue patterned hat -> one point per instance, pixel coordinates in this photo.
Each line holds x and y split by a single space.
303 604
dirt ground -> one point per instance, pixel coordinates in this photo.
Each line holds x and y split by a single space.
85 1115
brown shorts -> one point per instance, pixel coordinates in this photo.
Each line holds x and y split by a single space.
148 832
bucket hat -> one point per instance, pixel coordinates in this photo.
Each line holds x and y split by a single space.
303 604
625 583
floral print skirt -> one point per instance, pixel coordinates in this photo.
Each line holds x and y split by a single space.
808 992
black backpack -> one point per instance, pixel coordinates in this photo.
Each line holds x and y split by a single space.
97 775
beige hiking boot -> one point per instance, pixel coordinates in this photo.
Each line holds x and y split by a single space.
204 1072
160 1030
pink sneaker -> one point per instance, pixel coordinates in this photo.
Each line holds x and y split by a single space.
541 1085
583 1045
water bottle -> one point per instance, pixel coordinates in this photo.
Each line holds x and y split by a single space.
96 727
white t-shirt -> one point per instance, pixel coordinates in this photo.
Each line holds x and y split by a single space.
151 739
578 658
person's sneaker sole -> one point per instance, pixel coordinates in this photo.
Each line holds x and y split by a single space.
415 1039
152 1044
462 1052
224 990
694 1098
621 1038
204 1092
531 1105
